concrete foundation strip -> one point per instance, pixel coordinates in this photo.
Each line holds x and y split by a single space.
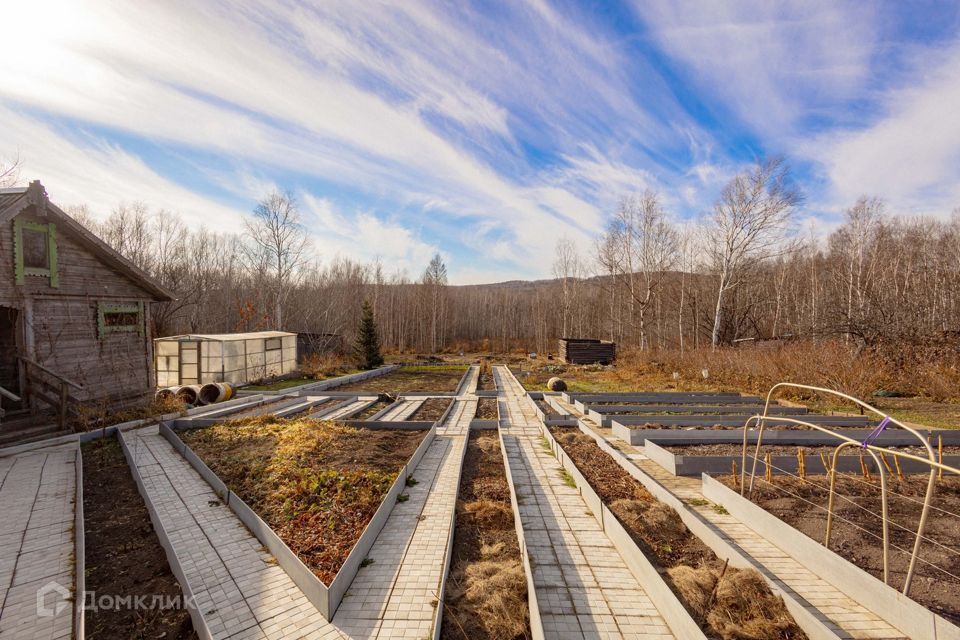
325 598
910 617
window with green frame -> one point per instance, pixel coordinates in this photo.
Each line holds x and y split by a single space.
35 251
119 318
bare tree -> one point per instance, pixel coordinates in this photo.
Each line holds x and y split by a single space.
277 245
435 281
10 171
567 268
750 222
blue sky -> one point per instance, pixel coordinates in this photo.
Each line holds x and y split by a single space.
485 130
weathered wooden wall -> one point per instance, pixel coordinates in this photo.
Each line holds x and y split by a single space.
61 323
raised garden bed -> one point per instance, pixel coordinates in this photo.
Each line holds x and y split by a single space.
727 602
486 592
857 530
487 409
316 484
123 556
432 409
372 410
547 409
439 378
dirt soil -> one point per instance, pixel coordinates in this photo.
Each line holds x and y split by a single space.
729 603
931 587
316 483
261 409
123 554
486 594
326 404
547 409
487 409
432 409
411 379
376 407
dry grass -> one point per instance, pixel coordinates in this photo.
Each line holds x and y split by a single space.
317 484
486 594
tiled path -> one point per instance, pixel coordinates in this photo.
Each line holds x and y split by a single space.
403 410
396 596
583 586
845 617
37 499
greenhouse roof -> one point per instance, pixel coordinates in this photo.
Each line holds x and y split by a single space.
228 337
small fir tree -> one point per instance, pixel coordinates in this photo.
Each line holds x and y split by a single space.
368 340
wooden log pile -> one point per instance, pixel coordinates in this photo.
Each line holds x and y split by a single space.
587 351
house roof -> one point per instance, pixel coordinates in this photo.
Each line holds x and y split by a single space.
14 201
10 196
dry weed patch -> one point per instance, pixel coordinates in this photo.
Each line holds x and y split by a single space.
316 483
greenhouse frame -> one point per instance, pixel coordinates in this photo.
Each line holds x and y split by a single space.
236 358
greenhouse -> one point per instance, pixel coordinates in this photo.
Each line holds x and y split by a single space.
230 357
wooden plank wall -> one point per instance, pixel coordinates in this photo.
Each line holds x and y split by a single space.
586 351
61 323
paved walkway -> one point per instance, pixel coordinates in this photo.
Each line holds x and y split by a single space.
397 595
404 409
845 616
583 587
37 500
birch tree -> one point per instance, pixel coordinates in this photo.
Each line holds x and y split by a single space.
750 222
277 245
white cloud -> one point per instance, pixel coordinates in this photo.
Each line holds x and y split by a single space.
771 63
911 155
81 169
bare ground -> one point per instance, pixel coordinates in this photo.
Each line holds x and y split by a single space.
856 535
487 409
432 409
123 554
413 379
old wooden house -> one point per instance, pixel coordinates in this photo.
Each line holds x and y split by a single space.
74 317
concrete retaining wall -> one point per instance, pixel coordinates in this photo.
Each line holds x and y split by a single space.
908 616
311 388
325 598
725 421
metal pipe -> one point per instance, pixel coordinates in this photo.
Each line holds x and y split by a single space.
931 460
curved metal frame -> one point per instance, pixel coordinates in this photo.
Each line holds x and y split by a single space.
760 420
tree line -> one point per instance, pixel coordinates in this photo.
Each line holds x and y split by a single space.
742 271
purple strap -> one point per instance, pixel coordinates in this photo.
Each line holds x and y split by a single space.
873 435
